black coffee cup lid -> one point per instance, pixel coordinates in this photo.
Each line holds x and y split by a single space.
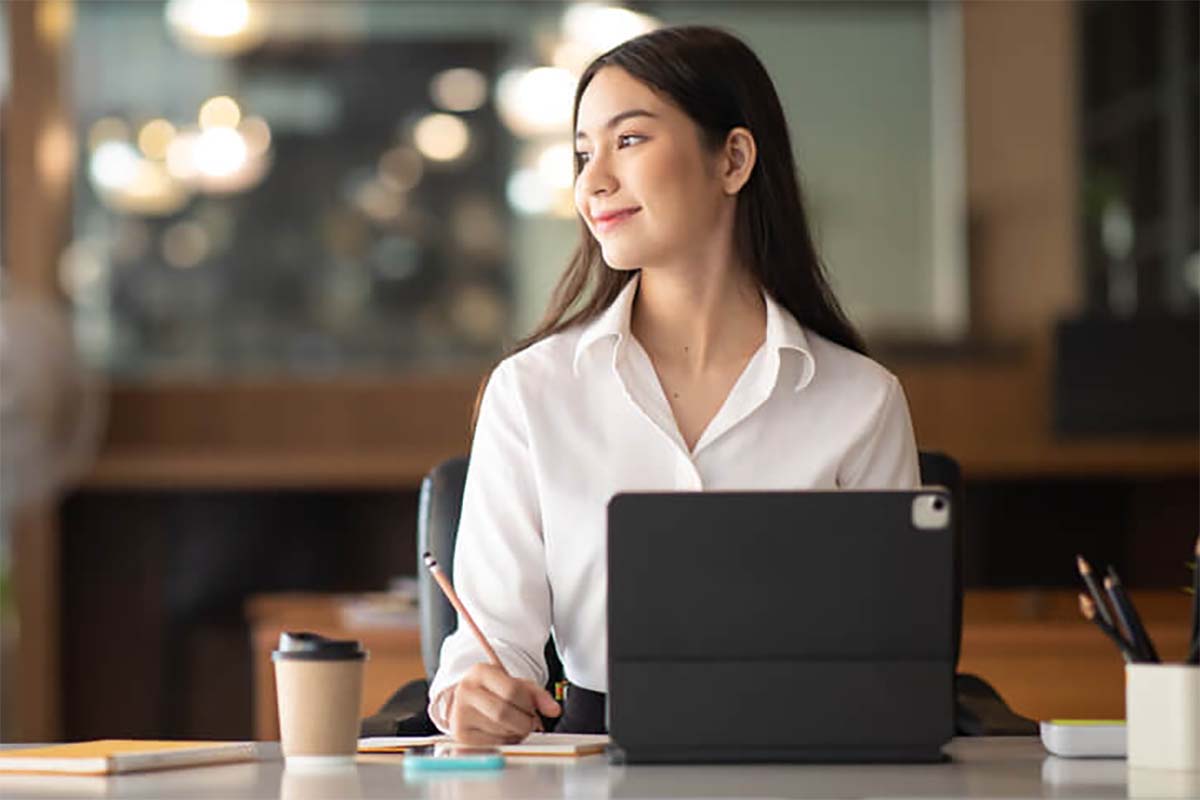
305 646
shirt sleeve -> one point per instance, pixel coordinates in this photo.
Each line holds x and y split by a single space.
499 558
886 456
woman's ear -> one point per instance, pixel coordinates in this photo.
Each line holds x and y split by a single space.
738 157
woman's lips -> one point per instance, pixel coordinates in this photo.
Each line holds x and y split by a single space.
608 221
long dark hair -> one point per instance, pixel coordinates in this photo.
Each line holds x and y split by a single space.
717 81
720 84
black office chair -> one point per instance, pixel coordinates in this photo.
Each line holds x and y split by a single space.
438 510
979 709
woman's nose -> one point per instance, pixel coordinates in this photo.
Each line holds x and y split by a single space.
596 177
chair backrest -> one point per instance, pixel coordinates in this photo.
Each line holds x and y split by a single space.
437 529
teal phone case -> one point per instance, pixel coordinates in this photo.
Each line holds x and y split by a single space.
453 763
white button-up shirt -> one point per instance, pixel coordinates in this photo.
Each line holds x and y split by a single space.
579 416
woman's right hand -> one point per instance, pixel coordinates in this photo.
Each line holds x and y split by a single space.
491 707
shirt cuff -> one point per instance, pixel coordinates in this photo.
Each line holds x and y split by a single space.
439 708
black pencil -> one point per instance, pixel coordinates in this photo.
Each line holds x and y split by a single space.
1088 608
1194 651
1089 580
1138 637
1126 627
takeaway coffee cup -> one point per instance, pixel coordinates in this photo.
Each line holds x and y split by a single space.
318 685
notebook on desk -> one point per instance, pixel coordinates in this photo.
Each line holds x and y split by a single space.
536 744
780 626
112 756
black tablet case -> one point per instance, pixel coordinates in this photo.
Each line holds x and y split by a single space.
778 626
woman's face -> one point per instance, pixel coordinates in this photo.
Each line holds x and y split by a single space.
648 190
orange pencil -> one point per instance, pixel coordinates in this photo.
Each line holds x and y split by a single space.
448 590
452 596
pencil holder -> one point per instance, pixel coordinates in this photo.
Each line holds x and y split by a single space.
1162 716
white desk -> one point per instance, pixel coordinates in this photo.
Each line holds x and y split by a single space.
986 767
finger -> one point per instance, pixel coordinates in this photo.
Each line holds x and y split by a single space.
469 726
503 716
480 738
543 701
465 714
514 692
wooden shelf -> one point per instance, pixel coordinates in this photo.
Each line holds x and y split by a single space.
388 432
232 470
995 418
1047 662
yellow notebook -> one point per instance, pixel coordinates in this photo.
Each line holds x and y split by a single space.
110 756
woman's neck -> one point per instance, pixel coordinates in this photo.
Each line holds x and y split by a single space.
698 319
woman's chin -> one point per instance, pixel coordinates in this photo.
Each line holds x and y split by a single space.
621 258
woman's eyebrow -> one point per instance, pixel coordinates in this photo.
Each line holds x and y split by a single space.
617 119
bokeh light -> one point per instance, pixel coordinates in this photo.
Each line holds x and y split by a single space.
536 102
218 152
554 165
256 134
600 27
149 191
216 18
54 20
441 137
56 152
378 202
181 163
107 129
220 112
527 193
114 166
459 89
215 26
155 137
80 267
401 168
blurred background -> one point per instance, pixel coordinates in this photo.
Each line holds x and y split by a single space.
257 256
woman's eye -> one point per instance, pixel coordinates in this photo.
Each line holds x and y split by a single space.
625 140
582 158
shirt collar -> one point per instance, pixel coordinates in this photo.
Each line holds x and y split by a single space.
783 331
613 322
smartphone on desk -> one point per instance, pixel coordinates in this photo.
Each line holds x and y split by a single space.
452 757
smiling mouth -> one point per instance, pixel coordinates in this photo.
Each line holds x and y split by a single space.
607 222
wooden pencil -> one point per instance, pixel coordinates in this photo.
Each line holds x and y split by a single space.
1138 636
447 588
1089 580
1088 608
1193 656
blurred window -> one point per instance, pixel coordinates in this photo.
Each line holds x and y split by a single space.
1139 112
325 187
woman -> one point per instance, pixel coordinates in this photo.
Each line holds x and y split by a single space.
692 344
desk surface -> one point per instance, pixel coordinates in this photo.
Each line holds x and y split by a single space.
987 767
